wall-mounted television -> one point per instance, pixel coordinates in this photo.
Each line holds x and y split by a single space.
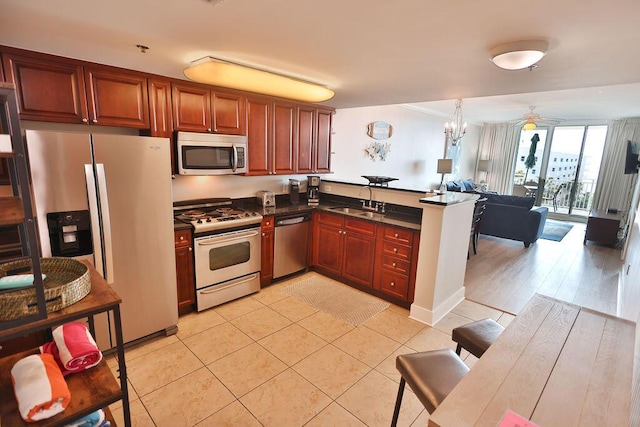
631 162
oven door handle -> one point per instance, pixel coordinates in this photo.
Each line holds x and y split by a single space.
226 285
215 241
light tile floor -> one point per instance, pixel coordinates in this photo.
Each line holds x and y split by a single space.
270 360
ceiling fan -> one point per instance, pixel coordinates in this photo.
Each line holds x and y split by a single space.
531 120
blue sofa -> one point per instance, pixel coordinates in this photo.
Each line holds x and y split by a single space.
513 217
509 217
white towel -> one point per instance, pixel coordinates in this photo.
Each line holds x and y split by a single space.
39 386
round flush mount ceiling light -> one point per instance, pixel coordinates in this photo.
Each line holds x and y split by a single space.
519 55
530 125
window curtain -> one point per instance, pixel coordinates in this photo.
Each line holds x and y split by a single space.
498 143
614 189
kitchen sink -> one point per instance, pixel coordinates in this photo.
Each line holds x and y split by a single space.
346 209
374 215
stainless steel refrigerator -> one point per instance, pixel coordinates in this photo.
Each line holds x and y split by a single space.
123 186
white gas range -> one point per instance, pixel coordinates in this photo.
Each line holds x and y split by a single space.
226 249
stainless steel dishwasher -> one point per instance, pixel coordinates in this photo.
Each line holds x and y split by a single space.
291 247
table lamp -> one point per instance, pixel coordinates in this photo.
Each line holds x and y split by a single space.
445 166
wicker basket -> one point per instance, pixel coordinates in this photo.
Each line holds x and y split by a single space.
67 282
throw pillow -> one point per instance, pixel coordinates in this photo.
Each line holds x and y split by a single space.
468 184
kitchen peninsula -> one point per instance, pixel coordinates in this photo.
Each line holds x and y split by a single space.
440 246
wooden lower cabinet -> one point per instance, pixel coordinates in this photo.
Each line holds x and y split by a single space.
186 285
266 256
344 247
396 262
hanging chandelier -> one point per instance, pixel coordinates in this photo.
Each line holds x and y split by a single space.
455 129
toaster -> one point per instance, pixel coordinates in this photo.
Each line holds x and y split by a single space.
266 199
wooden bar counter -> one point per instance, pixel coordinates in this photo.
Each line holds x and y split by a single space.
556 364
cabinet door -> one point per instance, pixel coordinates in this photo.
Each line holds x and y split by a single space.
160 108
283 138
328 248
305 133
228 113
186 286
47 90
258 130
191 108
266 269
323 142
117 99
359 253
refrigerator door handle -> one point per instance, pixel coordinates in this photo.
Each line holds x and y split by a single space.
106 222
95 218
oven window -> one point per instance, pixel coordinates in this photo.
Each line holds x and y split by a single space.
194 157
229 255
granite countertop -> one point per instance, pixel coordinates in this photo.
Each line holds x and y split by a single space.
449 198
391 218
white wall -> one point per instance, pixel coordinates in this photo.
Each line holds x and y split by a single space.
416 144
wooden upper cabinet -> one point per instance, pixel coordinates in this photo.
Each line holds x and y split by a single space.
59 90
117 99
191 108
160 108
228 113
199 109
284 141
258 136
47 90
323 142
306 145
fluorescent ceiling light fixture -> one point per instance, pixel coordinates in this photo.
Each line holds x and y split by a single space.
519 55
217 72
529 126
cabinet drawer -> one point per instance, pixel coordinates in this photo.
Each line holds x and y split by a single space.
331 219
182 237
364 227
397 250
394 284
399 235
396 264
267 223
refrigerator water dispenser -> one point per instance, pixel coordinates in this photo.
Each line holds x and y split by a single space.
70 233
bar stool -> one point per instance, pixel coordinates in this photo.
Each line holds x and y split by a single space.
431 375
476 337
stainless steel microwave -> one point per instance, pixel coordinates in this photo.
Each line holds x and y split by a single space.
211 154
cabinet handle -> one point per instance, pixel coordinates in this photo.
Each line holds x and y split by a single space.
190 248
94 121
208 129
393 284
395 235
264 234
394 264
181 237
85 120
395 250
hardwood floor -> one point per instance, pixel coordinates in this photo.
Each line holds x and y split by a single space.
505 275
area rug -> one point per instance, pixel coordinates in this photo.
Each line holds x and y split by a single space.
340 301
555 230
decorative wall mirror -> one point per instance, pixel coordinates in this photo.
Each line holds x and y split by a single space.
379 130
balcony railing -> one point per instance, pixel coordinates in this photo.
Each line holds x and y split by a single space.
583 197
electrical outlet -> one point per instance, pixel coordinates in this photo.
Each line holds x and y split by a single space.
327 188
285 188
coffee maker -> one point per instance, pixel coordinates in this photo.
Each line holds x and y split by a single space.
313 190
294 191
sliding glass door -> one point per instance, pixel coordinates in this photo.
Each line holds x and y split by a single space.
572 169
561 174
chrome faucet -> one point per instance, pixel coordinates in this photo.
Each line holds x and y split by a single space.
368 205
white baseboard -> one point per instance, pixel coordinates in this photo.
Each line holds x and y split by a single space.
431 317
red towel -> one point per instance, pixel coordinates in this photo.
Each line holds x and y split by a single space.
73 348
39 387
